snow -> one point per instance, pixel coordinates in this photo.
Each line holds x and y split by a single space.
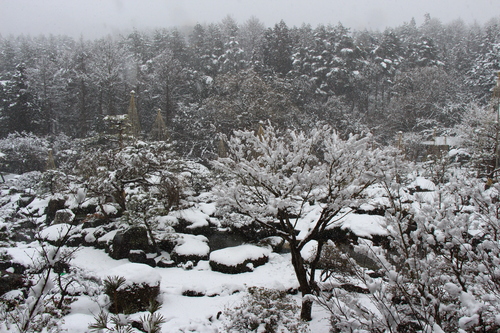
423 184
305 224
78 322
109 209
23 254
208 208
191 314
194 216
232 256
136 274
85 305
37 206
182 313
363 225
108 237
55 232
192 245
309 251
95 261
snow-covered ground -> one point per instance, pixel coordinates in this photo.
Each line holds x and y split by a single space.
183 313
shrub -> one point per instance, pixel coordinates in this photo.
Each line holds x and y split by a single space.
264 310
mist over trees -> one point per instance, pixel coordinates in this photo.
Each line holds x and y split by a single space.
225 76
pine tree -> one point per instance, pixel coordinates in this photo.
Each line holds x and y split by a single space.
278 48
20 109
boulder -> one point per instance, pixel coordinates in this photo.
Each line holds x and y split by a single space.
220 239
94 221
25 199
57 234
75 240
10 281
276 243
53 206
64 216
133 238
165 263
139 256
12 266
11 275
190 248
168 241
192 221
239 259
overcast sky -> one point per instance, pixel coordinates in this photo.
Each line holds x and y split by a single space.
95 18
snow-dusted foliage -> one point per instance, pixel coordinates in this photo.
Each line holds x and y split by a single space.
439 269
478 131
274 177
52 281
23 152
264 310
115 173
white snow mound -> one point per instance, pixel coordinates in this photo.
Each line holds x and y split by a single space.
192 245
136 273
232 256
55 232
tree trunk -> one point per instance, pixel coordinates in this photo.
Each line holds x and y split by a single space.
305 287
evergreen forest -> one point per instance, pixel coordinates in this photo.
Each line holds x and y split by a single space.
212 79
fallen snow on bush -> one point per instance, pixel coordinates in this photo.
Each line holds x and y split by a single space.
422 184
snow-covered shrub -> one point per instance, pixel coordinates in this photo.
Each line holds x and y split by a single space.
24 152
140 168
478 131
53 181
51 286
264 310
440 268
151 322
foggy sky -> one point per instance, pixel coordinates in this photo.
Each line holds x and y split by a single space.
96 18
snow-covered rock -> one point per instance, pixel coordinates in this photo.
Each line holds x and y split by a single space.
134 238
362 225
239 259
135 273
64 216
56 232
141 286
190 248
421 184
192 220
